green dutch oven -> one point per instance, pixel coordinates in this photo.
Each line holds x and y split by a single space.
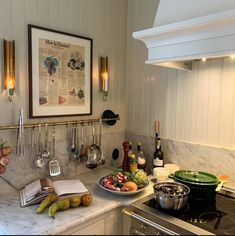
202 184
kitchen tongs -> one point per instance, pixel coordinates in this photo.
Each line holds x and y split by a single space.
54 166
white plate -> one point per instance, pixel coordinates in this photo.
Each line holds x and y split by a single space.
120 192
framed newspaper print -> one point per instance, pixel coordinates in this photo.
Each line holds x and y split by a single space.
60 73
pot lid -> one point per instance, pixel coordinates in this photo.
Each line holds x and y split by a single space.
196 177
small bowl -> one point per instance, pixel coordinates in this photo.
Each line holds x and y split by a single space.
172 167
171 195
161 173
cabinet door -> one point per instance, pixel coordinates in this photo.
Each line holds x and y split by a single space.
98 228
126 224
114 223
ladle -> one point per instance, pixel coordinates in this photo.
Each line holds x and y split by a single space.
46 153
92 155
73 154
39 160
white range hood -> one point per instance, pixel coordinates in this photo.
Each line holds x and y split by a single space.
187 30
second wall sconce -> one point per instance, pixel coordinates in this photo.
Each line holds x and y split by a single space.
9 67
104 77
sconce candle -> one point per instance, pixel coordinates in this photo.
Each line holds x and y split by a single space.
104 77
9 67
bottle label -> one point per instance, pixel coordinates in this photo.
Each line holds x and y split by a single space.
157 162
141 161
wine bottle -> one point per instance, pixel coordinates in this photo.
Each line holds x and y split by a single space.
132 159
140 157
158 156
130 152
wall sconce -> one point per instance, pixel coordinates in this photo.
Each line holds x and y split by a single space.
9 67
104 77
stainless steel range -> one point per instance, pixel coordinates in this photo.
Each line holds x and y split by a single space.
196 218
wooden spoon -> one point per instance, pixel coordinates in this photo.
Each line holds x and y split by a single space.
223 179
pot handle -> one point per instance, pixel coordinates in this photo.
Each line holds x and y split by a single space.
223 179
171 176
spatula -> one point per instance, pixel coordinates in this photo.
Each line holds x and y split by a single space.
54 166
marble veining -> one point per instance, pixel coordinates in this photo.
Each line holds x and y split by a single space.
22 171
192 156
24 221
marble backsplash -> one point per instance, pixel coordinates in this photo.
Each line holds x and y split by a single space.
190 156
22 171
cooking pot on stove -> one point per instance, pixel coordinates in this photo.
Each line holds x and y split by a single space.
202 184
171 195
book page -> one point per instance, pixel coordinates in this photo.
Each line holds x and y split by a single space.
36 187
33 200
32 189
62 187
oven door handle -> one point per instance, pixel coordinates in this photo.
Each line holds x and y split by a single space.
130 213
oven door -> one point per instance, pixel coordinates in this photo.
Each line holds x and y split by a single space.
142 226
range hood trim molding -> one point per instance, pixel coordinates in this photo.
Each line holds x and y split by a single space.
198 33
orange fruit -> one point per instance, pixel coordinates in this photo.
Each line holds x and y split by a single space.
131 186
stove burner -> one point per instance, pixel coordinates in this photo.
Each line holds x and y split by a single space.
173 212
217 217
210 216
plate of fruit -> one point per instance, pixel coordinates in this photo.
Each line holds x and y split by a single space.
124 183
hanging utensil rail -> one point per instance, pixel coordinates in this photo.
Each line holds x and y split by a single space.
57 123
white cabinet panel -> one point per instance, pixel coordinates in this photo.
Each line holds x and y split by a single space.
109 223
97 228
113 222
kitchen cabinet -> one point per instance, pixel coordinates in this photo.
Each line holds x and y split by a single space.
97 228
109 223
126 224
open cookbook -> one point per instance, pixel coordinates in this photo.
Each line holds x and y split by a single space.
36 191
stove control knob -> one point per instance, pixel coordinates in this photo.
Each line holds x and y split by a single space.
157 233
143 227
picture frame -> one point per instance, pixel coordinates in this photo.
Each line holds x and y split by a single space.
60 73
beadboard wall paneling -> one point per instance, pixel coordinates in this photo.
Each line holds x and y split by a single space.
196 106
203 104
102 20
145 84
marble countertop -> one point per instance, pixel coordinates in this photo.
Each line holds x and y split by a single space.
15 220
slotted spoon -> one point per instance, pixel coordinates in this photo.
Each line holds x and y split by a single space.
54 166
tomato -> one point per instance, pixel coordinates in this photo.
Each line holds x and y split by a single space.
4 161
2 169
